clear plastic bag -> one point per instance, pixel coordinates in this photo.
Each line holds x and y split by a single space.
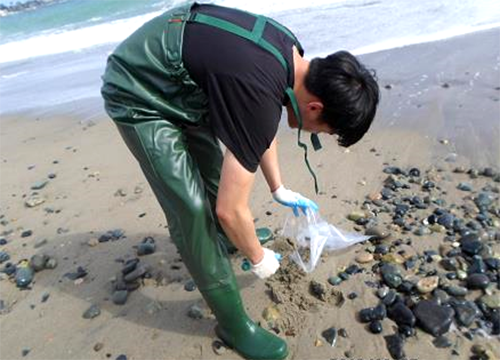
313 235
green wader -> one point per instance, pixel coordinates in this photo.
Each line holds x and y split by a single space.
162 116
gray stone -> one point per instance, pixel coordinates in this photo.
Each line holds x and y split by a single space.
456 290
195 312
39 185
38 261
92 312
34 200
466 312
120 297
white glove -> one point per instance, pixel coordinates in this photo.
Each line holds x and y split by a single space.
268 265
294 200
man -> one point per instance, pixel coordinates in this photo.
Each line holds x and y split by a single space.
199 73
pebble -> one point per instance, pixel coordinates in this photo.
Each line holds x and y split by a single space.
120 297
391 275
382 292
51 263
377 233
427 284
40 243
334 280
218 347
37 262
195 312
330 335
98 346
93 242
146 247
441 342
4 257
45 296
3 241
92 312
139 272
39 185
34 200
121 357
457 290
491 301
375 327
25 352
401 315
464 186
356 215
26 233
478 281
432 318
466 312
190 286
271 314
437 228
422 230
395 344
364 258
24 276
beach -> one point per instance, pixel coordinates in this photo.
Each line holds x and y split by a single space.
439 110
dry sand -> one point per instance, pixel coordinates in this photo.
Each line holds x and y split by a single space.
91 163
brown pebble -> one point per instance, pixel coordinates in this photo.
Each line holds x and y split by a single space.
98 346
364 258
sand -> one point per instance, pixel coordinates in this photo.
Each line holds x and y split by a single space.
421 123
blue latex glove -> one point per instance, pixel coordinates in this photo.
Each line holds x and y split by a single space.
294 200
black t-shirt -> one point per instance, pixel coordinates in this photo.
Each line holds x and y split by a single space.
244 83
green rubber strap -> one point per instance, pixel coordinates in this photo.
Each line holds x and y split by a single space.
295 107
288 33
254 36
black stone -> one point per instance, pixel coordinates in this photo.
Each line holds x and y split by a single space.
492 263
190 286
395 344
130 266
406 287
26 233
366 315
375 327
414 172
330 335
121 357
139 272
450 264
433 318
401 315
471 247
353 269
79 273
379 312
478 281
389 299
478 266
406 331
3 242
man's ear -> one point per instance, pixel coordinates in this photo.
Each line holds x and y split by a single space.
315 106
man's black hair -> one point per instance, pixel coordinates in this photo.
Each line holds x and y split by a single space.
349 93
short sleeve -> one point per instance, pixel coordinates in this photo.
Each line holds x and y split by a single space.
244 116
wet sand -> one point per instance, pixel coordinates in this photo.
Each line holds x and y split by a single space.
440 110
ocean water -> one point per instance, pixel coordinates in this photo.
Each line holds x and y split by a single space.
55 54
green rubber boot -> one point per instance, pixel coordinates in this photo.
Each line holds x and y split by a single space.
238 331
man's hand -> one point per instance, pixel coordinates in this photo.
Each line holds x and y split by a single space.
267 266
294 200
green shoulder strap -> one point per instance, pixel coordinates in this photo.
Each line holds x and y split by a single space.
256 37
